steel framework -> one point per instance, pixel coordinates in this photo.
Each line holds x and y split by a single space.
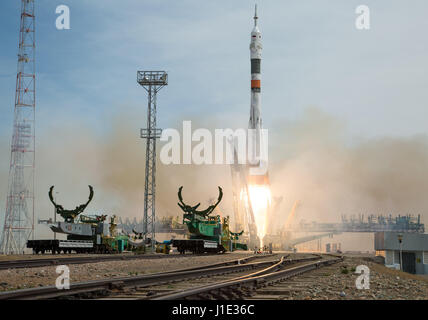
19 217
242 207
152 81
405 224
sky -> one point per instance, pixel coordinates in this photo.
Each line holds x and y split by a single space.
313 55
372 81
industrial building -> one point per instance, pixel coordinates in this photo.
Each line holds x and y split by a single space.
403 251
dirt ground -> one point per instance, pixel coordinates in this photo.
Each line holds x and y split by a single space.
333 282
13 279
339 282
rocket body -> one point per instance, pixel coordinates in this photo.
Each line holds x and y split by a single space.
256 58
255 137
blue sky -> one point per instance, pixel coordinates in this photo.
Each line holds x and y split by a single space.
313 56
374 82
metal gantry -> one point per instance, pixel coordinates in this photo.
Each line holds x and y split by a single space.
242 207
152 81
373 223
19 218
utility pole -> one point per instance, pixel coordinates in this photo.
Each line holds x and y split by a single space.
400 240
19 218
152 81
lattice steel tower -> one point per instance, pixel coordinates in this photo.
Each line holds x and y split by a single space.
152 81
19 218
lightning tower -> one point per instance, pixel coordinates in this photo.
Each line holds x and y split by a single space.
152 81
19 217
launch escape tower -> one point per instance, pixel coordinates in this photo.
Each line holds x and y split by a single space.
19 218
152 81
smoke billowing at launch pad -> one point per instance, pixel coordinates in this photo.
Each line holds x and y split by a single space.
311 160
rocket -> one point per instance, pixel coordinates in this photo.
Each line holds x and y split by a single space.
255 123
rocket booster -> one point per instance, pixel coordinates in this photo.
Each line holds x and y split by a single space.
255 122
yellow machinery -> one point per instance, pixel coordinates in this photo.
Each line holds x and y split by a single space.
163 248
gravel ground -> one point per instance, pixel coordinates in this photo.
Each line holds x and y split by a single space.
326 283
13 279
334 282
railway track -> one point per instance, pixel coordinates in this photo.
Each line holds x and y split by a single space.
236 279
160 290
103 287
245 287
293 288
34 263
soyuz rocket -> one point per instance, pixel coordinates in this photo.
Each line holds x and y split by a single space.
258 177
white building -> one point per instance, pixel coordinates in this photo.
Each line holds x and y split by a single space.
413 248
